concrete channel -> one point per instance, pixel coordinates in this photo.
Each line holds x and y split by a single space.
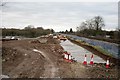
79 52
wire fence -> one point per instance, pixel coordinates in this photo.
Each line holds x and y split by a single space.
112 48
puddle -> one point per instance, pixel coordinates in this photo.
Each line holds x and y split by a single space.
78 52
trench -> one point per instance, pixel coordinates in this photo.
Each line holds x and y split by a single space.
79 52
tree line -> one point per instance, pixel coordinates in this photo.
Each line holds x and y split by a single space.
67 32
28 31
93 28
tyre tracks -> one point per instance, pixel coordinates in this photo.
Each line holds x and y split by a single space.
50 67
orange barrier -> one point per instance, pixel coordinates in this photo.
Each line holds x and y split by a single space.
107 64
85 61
67 56
91 61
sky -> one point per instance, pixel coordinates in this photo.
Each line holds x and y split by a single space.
57 15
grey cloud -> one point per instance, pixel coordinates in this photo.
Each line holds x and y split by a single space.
65 14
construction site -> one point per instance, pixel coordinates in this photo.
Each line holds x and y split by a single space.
59 40
46 57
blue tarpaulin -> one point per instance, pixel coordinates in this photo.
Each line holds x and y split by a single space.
110 47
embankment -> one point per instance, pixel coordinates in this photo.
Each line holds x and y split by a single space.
97 52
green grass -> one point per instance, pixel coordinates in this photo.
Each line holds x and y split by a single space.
98 48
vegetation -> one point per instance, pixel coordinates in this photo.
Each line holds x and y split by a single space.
93 29
67 32
28 31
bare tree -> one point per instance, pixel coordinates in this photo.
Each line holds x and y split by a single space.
83 26
98 22
78 29
89 24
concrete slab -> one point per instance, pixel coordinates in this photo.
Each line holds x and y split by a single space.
79 52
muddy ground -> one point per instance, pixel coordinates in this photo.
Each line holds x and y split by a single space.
32 59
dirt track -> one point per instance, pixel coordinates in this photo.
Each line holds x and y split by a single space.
27 59
24 62
50 67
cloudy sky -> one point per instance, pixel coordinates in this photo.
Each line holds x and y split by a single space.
57 15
